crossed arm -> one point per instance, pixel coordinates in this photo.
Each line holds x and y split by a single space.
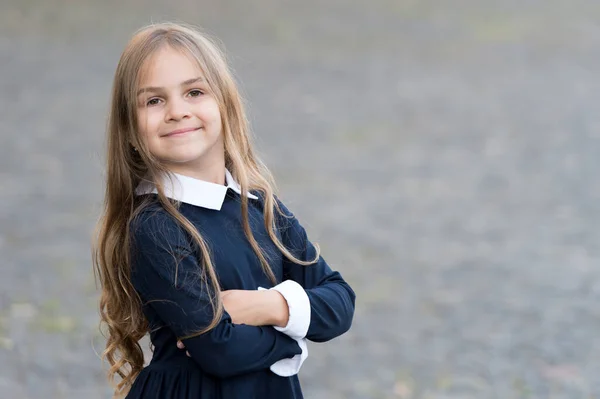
254 308
163 269
244 339
330 300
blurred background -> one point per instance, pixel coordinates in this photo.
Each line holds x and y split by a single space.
443 154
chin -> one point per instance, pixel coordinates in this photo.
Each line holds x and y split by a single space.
183 161
183 157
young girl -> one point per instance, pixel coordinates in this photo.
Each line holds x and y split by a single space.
193 246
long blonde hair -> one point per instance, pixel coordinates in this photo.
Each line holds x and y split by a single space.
129 161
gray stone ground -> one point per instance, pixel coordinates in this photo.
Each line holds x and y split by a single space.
442 152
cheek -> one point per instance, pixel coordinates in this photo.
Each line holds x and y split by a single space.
217 119
147 123
211 113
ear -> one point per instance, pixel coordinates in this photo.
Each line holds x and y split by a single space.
133 146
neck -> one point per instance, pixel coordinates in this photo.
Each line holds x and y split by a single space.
210 170
213 174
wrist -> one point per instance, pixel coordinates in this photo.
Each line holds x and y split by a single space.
277 309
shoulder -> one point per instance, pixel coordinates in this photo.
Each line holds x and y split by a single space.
157 244
153 226
282 211
286 222
149 218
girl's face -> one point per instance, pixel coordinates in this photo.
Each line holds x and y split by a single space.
179 118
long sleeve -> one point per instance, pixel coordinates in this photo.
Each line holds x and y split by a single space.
165 271
331 299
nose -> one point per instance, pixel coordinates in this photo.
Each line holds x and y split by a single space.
177 109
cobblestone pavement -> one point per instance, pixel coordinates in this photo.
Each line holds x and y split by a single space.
443 153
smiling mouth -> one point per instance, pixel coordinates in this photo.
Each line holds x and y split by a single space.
180 132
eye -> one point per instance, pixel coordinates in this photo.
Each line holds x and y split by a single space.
152 101
195 93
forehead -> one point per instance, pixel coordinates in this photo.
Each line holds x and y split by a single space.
168 67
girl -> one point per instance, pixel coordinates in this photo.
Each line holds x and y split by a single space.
191 233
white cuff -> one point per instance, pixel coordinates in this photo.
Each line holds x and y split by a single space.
298 306
290 367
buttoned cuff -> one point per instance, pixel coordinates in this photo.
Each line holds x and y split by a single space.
290 367
298 306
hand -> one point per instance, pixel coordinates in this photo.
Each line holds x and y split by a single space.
180 345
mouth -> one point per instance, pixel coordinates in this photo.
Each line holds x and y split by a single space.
181 132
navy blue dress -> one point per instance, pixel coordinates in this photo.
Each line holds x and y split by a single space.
232 360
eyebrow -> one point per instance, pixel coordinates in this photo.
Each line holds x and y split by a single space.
185 83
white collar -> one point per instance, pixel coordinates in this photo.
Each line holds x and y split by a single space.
193 191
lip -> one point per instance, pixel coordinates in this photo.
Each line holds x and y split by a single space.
179 132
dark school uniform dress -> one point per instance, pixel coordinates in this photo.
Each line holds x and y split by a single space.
230 361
